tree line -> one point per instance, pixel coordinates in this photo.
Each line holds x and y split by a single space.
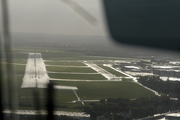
171 88
138 108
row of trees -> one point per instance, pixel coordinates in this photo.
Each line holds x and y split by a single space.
166 87
42 117
142 107
138 108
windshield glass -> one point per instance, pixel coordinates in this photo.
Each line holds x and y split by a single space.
66 44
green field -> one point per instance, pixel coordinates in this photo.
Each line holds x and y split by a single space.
61 96
126 80
18 69
70 69
103 90
65 63
77 76
26 97
22 61
18 61
118 74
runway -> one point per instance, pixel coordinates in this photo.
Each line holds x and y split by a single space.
35 72
100 70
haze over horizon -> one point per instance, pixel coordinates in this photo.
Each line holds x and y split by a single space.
54 20
55 17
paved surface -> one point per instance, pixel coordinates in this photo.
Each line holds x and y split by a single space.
78 99
43 112
36 74
100 70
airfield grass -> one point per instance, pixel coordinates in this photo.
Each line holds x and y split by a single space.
19 61
22 61
61 95
77 76
65 63
62 99
18 69
104 90
112 71
26 97
126 80
70 69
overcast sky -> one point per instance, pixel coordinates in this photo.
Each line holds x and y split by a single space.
53 16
